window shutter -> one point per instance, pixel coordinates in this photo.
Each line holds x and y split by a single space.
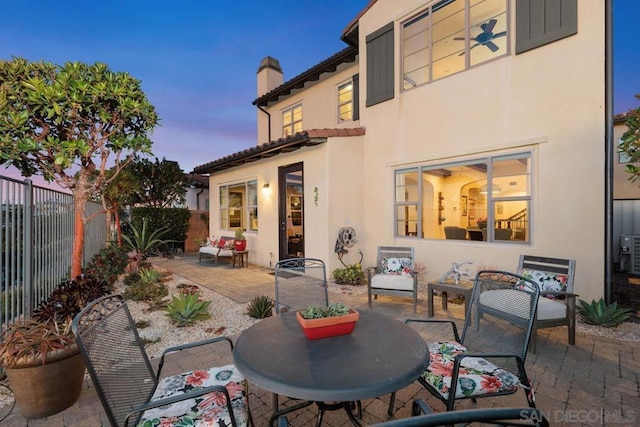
380 65
539 22
356 96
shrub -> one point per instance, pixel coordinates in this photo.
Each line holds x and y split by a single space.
69 298
145 286
260 307
187 309
351 275
106 265
601 314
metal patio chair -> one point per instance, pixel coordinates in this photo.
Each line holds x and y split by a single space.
300 283
131 391
423 416
487 360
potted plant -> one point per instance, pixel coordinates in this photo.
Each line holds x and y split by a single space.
240 242
40 355
336 319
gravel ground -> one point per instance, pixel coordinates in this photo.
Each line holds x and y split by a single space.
227 318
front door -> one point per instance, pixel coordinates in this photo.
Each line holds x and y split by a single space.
291 211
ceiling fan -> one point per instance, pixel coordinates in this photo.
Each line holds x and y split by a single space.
486 36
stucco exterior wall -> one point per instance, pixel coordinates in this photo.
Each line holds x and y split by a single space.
549 100
319 104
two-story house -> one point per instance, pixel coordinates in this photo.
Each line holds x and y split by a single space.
468 129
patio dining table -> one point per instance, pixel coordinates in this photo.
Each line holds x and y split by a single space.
380 356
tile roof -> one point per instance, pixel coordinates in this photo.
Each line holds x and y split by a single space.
329 65
291 143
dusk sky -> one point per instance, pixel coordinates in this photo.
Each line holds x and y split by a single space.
197 60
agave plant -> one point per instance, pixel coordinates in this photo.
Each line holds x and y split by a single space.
601 314
260 307
143 241
187 309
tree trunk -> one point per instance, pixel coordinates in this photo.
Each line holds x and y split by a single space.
80 195
78 234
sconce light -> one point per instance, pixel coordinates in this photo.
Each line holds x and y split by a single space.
495 189
265 186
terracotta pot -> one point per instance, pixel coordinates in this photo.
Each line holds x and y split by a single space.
325 327
240 245
40 390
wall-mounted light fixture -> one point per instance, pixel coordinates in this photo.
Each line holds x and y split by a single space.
495 189
265 186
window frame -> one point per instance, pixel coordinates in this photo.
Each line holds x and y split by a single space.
406 82
247 207
493 202
293 126
344 84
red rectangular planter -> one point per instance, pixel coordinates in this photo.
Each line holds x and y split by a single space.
328 326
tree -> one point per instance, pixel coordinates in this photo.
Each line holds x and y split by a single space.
67 122
162 183
631 142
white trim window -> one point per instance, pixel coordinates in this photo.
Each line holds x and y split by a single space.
238 206
460 200
345 102
292 120
451 36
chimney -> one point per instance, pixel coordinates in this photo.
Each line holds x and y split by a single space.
270 75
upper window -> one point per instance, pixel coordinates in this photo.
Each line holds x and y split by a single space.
623 157
452 36
292 120
239 206
345 102
487 199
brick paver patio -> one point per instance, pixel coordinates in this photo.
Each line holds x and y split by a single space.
596 382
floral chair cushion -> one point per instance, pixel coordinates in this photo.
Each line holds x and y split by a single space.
477 376
207 410
400 266
548 282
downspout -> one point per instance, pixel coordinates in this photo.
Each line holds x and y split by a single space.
268 122
608 179
198 199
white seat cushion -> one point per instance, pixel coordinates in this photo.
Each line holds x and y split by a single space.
215 251
551 309
392 281
211 250
508 300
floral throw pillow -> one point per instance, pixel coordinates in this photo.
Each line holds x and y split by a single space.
400 266
476 377
228 244
549 282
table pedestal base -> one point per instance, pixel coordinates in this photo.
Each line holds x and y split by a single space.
322 408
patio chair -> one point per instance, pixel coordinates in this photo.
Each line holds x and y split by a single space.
423 416
131 391
557 305
394 274
300 283
487 360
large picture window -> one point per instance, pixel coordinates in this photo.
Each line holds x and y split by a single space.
486 199
452 36
239 206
